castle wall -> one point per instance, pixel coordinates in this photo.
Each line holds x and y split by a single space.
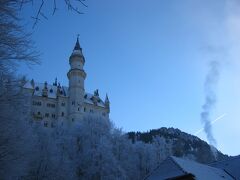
62 108
44 108
95 110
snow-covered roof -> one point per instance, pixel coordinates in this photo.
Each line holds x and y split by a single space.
28 85
88 98
176 167
166 169
201 171
231 165
52 92
51 89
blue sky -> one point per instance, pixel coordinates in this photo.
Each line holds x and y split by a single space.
151 57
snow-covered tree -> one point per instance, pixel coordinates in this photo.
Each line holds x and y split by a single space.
15 129
95 156
163 149
145 159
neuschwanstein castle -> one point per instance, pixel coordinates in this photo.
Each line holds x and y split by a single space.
53 101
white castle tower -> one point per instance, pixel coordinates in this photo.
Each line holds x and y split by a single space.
54 102
76 76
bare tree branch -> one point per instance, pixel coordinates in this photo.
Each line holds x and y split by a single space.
81 1
37 16
16 45
71 6
54 7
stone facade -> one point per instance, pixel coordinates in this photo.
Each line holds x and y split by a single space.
56 102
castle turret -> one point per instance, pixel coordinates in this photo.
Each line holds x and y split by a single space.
55 83
32 83
45 90
76 76
107 103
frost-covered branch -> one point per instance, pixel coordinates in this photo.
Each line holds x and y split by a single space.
16 45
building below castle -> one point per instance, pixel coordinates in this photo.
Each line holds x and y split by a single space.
53 101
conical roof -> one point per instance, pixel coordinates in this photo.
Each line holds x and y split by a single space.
77 45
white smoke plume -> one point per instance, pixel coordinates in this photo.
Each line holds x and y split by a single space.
210 99
224 49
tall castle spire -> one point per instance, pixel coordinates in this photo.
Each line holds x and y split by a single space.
77 45
77 51
76 76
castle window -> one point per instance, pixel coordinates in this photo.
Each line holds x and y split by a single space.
84 109
46 124
62 114
63 103
78 109
51 91
47 115
73 102
72 119
39 113
50 105
37 88
37 103
91 111
53 115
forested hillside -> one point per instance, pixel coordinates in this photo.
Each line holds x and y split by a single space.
179 144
